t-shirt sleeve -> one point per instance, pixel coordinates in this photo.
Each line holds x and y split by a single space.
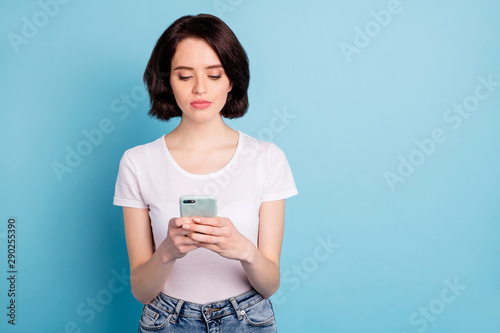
279 183
127 189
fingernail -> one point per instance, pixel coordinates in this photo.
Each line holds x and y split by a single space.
186 226
196 219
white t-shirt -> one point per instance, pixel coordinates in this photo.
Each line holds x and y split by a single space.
150 178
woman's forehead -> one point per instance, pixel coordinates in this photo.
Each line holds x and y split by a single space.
195 52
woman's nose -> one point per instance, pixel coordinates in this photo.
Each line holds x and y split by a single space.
200 87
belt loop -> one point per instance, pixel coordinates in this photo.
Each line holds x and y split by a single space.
236 307
177 311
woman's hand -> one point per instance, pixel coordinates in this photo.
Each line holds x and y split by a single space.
176 245
221 236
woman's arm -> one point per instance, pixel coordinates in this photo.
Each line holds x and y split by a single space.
149 269
263 267
261 264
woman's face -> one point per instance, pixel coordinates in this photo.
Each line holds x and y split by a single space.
198 81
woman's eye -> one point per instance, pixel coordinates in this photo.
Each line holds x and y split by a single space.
213 77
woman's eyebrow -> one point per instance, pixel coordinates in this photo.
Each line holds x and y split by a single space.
190 68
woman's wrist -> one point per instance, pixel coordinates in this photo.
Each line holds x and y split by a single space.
163 254
250 253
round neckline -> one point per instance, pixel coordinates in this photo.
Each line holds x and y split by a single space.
194 175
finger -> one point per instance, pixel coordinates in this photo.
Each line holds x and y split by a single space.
182 231
178 221
213 221
187 229
204 229
202 238
186 239
187 248
185 233
213 247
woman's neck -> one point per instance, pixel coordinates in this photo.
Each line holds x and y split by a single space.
192 135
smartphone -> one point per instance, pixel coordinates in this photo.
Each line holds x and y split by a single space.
198 205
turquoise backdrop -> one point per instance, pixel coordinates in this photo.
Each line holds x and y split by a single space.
387 110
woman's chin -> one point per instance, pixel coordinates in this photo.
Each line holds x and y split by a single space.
201 116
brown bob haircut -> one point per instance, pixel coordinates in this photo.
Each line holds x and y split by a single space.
233 58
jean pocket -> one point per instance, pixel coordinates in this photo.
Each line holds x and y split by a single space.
153 318
260 314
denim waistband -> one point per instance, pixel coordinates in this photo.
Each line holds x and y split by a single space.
236 304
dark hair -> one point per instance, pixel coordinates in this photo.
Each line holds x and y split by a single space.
233 58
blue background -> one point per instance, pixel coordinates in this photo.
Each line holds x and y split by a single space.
353 117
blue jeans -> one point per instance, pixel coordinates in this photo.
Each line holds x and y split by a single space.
249 312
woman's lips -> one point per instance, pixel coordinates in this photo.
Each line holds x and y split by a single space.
200 104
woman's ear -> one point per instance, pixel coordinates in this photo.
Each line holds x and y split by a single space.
230 86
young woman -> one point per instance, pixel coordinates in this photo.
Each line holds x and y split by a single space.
201 274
